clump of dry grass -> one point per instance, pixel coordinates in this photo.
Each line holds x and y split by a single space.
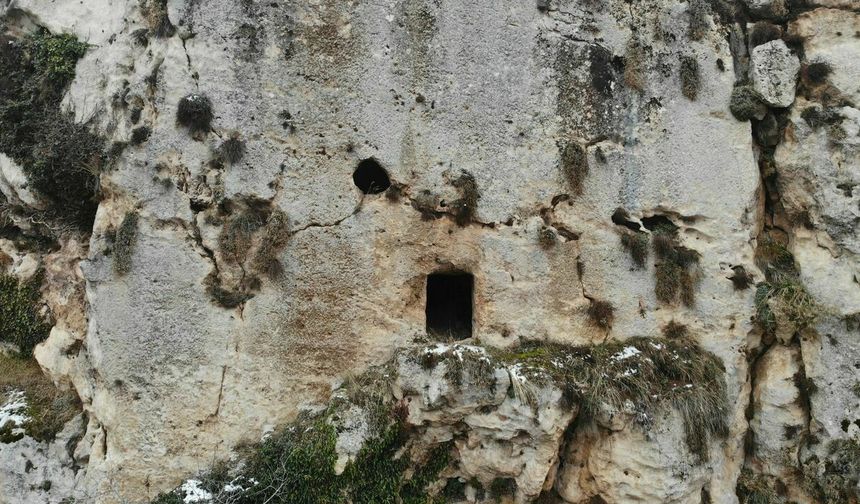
782 294
690 80
634 65
648 373
49 408
675 330
466 206
547 237
601 313
574 166
741 278
274 239
636 244
123 248
676 275
232 150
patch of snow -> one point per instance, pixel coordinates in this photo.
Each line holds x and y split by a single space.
626 353
194 493
14 411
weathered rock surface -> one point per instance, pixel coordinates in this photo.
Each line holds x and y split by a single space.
774 73
573 121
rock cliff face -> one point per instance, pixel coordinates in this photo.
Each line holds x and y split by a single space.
231 209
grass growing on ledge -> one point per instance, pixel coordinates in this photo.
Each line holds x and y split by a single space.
297 464
646 372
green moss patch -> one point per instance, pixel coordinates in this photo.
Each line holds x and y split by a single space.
782 294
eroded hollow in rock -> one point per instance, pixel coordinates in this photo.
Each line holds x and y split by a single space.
449 305
371 177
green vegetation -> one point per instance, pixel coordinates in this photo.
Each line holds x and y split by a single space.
123 247
574 166
61 158
649 373
676 273
636 244
20 321
746 103
47 407
690 79
297 465
782 295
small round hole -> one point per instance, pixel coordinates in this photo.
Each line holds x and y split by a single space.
371 177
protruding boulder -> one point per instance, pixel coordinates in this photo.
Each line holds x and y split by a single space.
774 73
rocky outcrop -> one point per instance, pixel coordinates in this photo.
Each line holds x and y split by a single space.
277 181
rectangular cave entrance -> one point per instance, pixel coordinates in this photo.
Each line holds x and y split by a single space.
449 305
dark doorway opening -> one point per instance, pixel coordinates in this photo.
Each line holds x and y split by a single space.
449 305
371 177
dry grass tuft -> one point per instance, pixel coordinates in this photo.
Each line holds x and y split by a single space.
574 166
601 313
636 244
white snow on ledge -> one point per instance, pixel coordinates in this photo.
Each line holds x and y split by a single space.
14 411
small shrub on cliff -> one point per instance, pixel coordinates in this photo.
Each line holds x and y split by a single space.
47 408
690 80
195 113
123 248
21 324
60 157
675 330
698 25
745 103
547 237
782 294
274 239
835 478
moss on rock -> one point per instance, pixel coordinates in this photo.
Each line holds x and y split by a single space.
21 324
